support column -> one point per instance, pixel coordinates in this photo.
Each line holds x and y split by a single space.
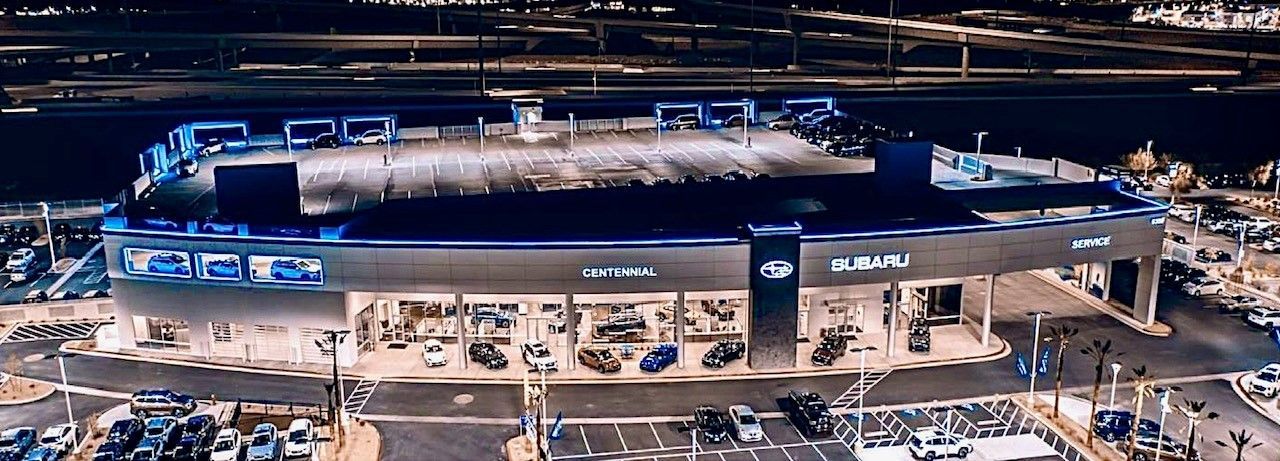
570 330
679 313
795 49
1106 281
891 343
460 314
1144 297
987 307
964 61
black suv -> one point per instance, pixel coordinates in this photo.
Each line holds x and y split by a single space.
831 348
620 324
809 413
197 433
723 352
126 432
326 141
488 355
711 424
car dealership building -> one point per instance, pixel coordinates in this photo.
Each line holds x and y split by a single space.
776 262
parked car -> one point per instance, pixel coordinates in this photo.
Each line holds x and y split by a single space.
500 318
1237 303
537 355
115 451
599 358
62 438
163 428
932 443
294 269
816 114
620 324
35 296
168 263
226 447
831 347
809 413
488 355
1272 244
301 439
1262 317
433 353
22 272
1202 286
42 453
723 352
20 256
711 424
1113 425
188 167
213 146
1266 380
662 356
746 426
1181 211
126 431
682 122
98 293
14 443
1212 255
264 444
378 137
149 450
197 433
783 122
65 295
1175 238
161 402
1146 447
1258 222
324 141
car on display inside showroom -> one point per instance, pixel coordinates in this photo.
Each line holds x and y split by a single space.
932 443
370 137
662 356
599 358
711 424
168 263
667 314
1202 286
433 353
488 355
620 324
294 269
723 352
536 354
831 347
1262 317
1266 380
809 413
325 141
499 317
149 402
746 426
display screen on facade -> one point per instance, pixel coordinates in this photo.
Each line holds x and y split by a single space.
286 269
218 266
160 263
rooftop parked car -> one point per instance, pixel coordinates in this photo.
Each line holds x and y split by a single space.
161 402
20 256
265 443
488 355
711 424
723 352
14 443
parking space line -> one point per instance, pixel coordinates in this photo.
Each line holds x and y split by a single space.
343 171
655 436
529 160
549 157
504 158
637 151
686 154
353 201
413 166
704 151
584 439
620 437
461 170
771 444
593 154
616 154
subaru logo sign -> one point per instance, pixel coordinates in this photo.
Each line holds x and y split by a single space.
776 269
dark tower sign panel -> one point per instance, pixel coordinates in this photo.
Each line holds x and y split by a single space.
775 296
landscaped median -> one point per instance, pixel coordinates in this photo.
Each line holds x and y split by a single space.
16 390
1072 424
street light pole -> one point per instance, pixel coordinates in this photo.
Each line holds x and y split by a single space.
862 378
288 141
746 142
573 131
334 338
1164 411
1035 353
1195 230
66 391
980 135
1115 375
659 123
386 130
48 227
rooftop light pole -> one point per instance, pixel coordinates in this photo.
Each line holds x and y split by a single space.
48 227
659 123
1115 375
980 135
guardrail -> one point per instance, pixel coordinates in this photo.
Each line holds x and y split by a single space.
61 209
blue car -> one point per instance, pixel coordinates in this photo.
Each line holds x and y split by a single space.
1113 425
42 454
14 443
224 268
500 318
110 451
659 358
168 263
295 269
151 449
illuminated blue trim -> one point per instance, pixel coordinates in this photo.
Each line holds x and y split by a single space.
1139 212
768 229
437 243
130 269
290 123
391 120
830 102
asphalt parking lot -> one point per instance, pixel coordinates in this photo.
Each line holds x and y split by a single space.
353 178
91 275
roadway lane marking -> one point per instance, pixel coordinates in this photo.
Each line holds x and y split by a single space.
366 169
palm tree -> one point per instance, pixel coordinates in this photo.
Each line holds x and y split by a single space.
1144 386
1194 411
1102 354
1061 335
1239 443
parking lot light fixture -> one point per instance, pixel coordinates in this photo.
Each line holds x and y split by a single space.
658 121
746 141
66 391
980 135
862 376
573 131
1195 228
386 130
288 141
1115 374
1035 352
48 227
480 121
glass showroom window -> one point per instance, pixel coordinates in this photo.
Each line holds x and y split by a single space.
492 322
544 322
715 315
162 333
626 318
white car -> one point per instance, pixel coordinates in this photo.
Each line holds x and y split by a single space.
370 137
226 446
1163 180
1266 381
301 439
783 122
746 426
1258 222
931 443
62 438
214 146
22 272
19 257
433 353
1201 286
537 355
1183 212
1272 245
1263 317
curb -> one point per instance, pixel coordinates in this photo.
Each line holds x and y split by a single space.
1005 351
1101 306
38 398
1237 385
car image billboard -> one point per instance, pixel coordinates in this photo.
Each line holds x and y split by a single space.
286 269
161 263
218 266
